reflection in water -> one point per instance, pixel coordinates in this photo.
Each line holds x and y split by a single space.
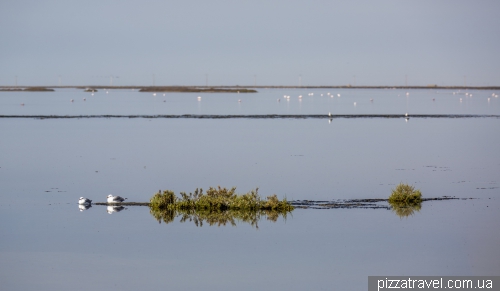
84 207
111 209
405 209
219 218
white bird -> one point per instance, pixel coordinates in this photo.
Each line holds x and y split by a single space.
84 201
406 114
338 95
199 98
115 199
154 94
329 114
354 103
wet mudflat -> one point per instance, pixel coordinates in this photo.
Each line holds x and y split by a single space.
48 164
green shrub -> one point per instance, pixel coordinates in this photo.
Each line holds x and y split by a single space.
406 194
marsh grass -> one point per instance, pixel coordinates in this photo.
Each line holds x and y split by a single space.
218 206
405 200
218 199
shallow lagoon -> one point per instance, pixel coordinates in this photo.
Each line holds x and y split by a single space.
47 164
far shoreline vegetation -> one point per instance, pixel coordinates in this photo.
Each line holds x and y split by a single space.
228 89
27 89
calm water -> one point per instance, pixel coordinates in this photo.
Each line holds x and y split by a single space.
45 165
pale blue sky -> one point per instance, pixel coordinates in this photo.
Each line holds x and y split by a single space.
242 42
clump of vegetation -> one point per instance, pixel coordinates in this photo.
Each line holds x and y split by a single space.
218 199
405 193
405 200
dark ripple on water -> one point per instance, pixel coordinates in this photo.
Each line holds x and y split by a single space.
257 116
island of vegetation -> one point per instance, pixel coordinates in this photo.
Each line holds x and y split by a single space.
218 206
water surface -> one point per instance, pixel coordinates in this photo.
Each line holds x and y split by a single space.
46 165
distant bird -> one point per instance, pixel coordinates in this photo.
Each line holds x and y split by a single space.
406 114
115 199
338 95
84 201
329 114
199 98
92 94
154 94
278 99
22 104
72 100
84 99
371 99
239 100
354 103
460 99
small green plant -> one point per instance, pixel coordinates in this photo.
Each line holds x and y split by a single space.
404 193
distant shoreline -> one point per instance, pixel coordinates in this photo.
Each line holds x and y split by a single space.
231 89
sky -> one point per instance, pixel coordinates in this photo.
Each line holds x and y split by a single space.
274 42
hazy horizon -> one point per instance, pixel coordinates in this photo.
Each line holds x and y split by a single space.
289 43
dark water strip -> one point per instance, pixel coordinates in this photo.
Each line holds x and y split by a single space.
258 116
